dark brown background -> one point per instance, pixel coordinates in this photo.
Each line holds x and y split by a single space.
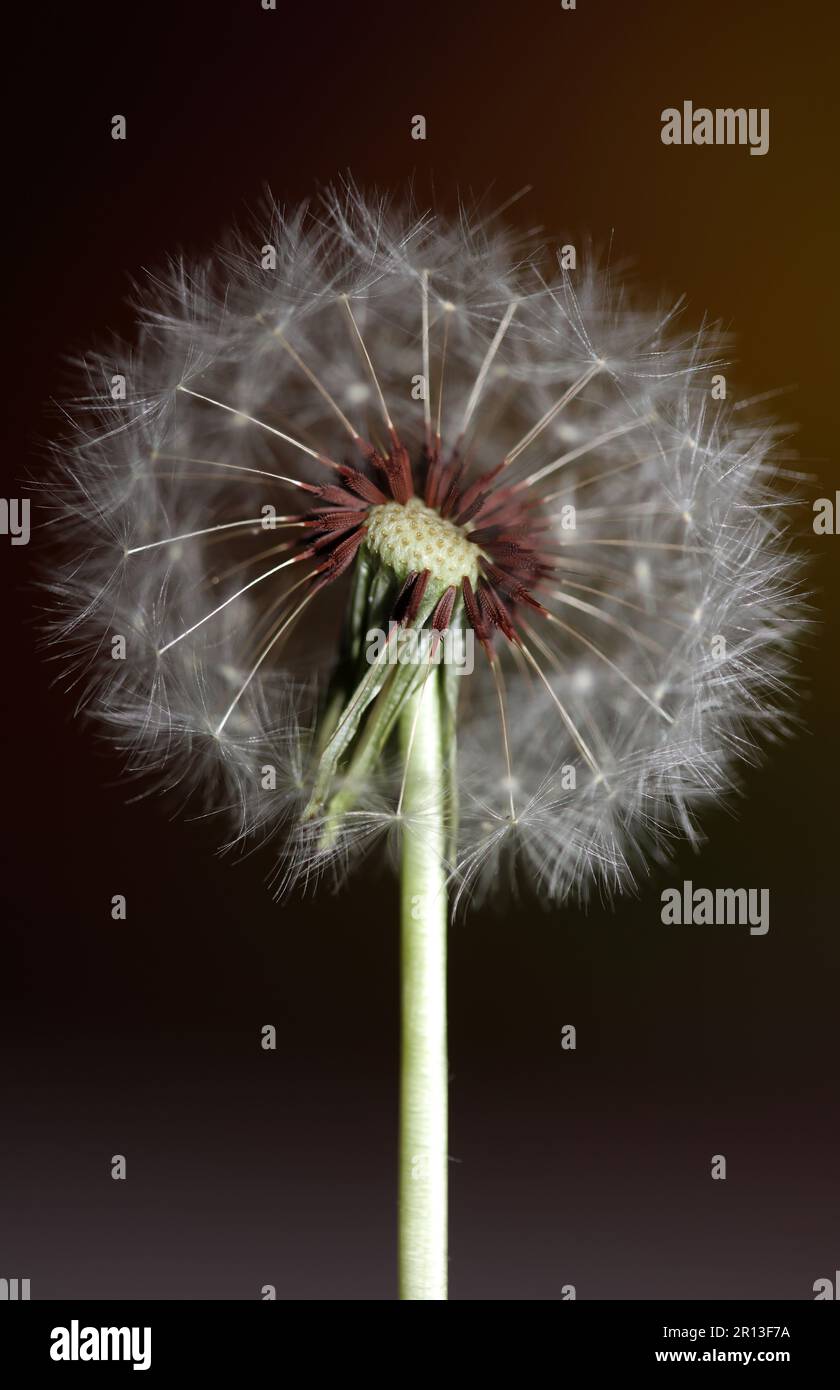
142 1038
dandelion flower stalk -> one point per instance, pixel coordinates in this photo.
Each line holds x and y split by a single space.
423 1152
362 434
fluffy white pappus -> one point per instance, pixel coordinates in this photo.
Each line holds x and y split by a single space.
636 597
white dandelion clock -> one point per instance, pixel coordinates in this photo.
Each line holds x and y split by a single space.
410 538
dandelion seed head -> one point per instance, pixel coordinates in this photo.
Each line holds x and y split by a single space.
563 487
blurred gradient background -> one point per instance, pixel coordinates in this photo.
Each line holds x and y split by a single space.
142 1038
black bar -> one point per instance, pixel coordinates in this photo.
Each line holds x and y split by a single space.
197 1338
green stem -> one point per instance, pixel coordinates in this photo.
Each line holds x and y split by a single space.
423 1157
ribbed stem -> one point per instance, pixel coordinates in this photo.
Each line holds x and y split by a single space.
423 1159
